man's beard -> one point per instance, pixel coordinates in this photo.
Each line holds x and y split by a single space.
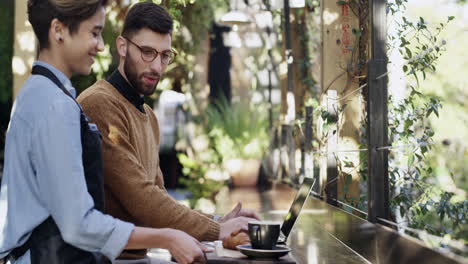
137 81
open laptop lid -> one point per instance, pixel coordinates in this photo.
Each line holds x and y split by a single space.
295 209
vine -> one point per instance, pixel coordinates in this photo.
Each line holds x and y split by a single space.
416 200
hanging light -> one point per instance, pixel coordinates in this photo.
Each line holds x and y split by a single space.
235 17
297 3
278 4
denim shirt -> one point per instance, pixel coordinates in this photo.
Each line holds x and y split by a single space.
43 174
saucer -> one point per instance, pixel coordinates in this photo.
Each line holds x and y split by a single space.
276 252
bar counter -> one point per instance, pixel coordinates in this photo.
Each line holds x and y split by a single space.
326 234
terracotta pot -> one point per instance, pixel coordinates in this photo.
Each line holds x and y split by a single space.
243 172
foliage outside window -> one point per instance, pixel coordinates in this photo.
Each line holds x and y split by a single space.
417 198
238 130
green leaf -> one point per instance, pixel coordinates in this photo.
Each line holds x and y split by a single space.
450 18
429 112
348 164
416 77
430 132
403 42
356 32
408 52
349 179
410 160
324 115
424 150
419 157
408 123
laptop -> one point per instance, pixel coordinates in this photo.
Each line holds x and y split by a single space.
295 209
286 227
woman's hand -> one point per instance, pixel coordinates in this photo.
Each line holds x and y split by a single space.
186 249
183 247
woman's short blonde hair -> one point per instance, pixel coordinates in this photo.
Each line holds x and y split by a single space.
69 12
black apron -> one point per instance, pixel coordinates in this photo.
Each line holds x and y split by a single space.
46 244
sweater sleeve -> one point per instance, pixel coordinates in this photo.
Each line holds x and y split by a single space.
126 178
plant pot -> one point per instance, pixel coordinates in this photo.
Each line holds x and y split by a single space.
243 172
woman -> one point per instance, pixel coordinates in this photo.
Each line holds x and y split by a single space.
52 182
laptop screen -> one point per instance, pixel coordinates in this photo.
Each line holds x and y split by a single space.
296 207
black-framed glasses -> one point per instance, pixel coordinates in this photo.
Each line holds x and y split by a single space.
150 54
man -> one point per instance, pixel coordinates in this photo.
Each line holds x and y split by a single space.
134 187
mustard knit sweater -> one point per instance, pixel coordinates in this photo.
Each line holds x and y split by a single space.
134 185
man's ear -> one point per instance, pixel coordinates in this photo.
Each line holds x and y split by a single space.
121 44
57 31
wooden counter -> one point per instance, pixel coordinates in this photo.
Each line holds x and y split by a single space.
325 234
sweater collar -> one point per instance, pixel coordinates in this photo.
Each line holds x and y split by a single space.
119 82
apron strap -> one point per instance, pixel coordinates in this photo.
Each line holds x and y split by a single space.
41 70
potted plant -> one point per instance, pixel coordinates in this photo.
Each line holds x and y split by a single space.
238 133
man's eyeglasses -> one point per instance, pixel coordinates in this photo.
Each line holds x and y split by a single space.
149 54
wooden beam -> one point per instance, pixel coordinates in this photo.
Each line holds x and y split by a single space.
340 55
24 47
307 161
287 153
331 188
289 58
287 95
377 109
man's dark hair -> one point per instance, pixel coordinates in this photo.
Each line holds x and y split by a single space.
70 12
147 15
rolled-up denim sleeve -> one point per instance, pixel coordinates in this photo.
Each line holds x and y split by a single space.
62 185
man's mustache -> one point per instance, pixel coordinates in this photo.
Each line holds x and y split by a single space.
152 75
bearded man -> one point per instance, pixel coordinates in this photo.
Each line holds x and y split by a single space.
134 187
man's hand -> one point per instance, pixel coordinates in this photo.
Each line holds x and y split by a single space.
239 211
234 226
186 249
235 239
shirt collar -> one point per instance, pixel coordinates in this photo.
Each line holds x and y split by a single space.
60 75
119 82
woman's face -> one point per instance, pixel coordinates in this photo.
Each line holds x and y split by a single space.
80 48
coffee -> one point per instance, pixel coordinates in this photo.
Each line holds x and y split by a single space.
264 234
